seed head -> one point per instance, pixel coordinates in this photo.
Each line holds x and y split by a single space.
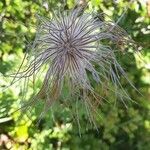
71 45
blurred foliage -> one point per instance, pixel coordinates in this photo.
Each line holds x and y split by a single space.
118 127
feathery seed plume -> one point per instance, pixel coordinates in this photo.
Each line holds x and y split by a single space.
71 46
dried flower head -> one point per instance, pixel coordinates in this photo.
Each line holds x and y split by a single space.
71 46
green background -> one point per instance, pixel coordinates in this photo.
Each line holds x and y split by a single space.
119 128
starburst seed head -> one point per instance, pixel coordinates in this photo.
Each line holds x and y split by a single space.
70 44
